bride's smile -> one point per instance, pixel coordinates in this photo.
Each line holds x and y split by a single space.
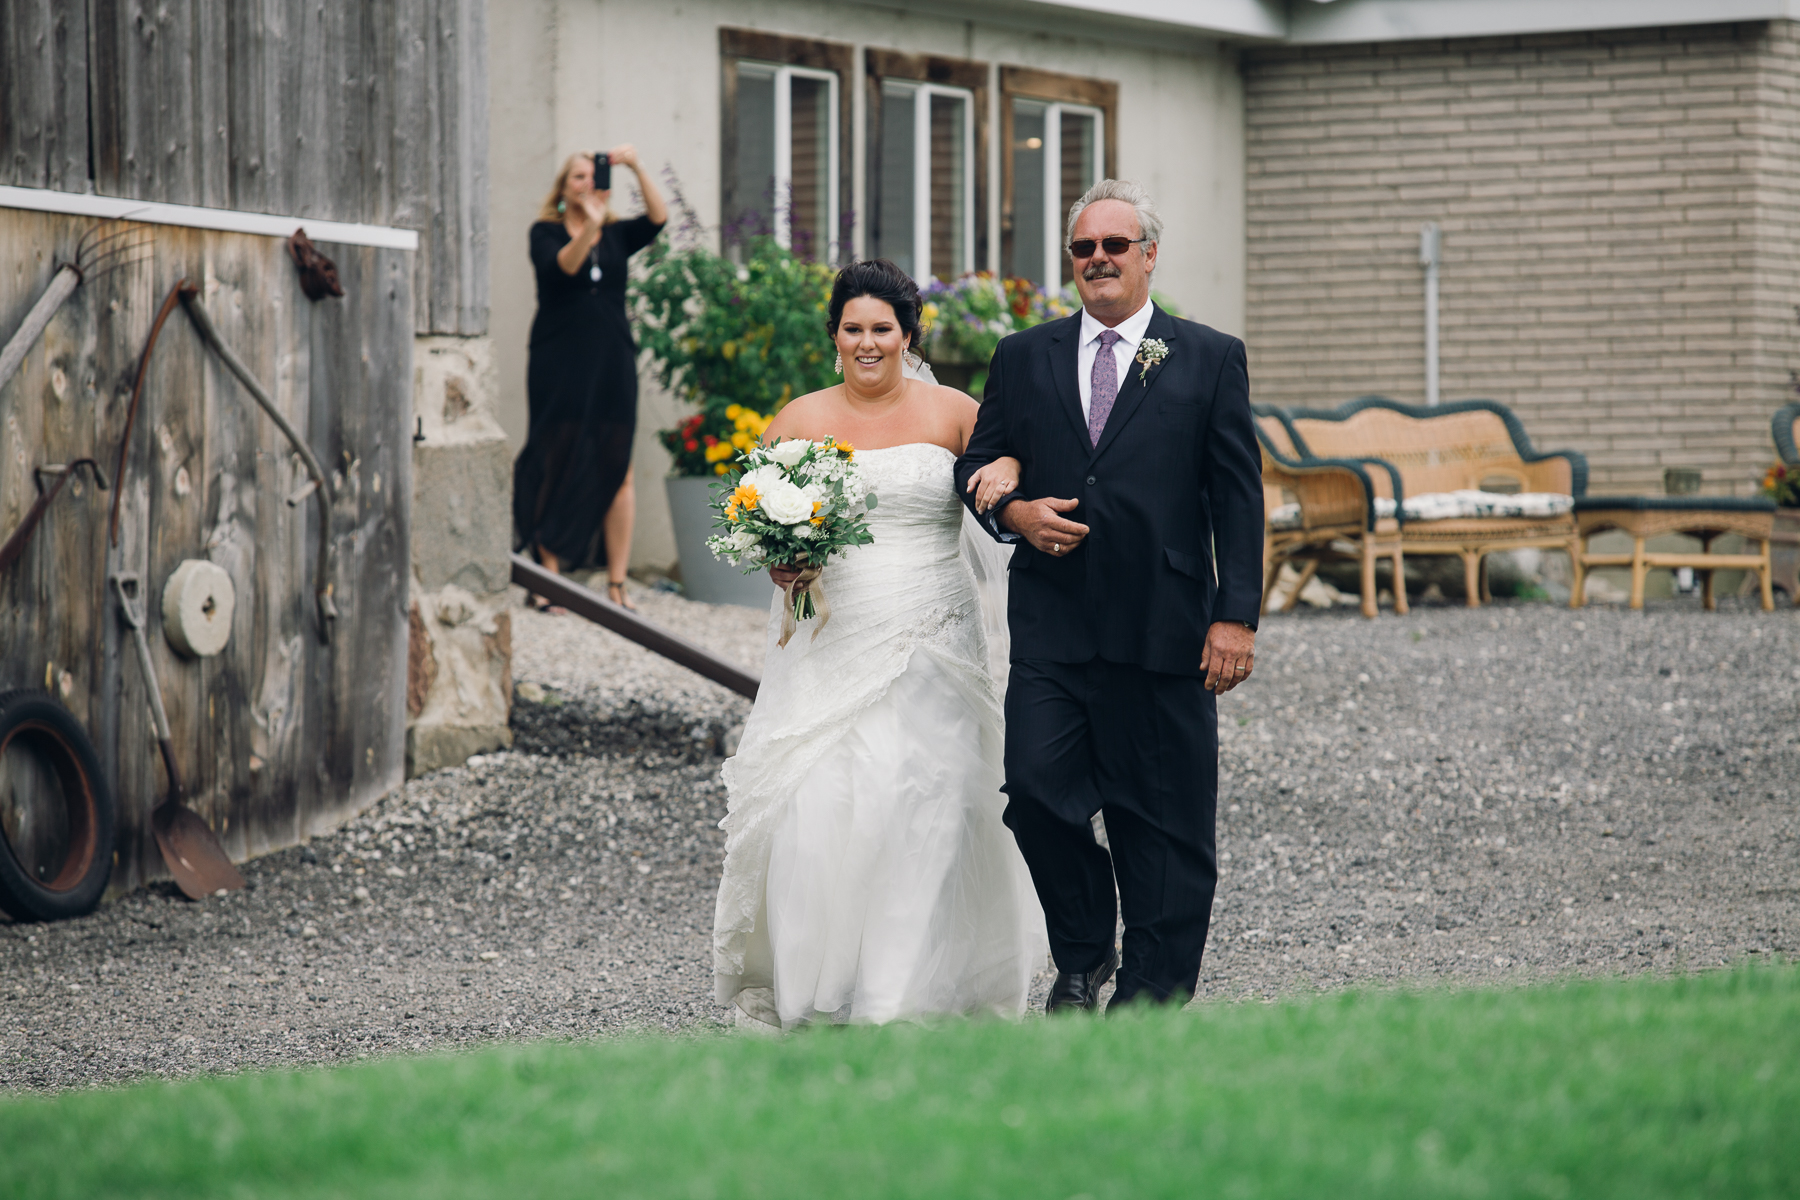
872 345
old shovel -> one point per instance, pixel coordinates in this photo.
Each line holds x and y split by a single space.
188 844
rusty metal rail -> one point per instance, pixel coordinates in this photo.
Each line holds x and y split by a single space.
628 625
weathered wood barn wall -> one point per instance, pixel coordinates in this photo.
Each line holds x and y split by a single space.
371 113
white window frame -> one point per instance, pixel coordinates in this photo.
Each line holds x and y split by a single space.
1056 218
784 148
921 231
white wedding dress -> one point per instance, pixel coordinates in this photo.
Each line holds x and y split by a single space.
868 876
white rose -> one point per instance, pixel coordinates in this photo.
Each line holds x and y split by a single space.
785 503
763 478
804 531
789 453
741 540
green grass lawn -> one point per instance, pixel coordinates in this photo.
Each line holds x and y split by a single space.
1684 1087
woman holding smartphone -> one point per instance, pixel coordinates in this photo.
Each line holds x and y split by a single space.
572 485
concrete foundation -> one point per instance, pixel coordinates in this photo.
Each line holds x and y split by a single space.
459 649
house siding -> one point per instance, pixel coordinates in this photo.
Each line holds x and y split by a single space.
1619 221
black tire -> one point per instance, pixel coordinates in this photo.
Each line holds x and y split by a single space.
56 807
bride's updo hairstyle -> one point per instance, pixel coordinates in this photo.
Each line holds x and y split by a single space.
878 279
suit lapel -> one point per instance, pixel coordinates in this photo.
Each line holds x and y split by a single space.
1063 346
1135 386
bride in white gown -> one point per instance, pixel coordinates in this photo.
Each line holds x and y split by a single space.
868 876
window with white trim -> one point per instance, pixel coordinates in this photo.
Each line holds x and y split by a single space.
785 171
925 199
1058 151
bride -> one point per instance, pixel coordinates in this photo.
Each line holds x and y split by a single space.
867 875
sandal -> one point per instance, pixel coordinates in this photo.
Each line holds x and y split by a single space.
539 604
615 592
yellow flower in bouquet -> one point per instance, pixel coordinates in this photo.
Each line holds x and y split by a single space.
794 503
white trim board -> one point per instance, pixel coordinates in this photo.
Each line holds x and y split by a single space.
1325 22
76 204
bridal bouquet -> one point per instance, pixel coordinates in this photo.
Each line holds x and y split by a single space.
793 504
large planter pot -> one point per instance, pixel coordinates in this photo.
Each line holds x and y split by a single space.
1784 552
704 577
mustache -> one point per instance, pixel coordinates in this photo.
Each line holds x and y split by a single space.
1101 270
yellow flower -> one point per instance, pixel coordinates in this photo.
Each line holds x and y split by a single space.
929 312
719 452
743 496
732 411
846 449
729 350
721 469
818 518
742 440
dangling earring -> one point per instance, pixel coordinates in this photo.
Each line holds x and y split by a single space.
562 206
912 360
839 365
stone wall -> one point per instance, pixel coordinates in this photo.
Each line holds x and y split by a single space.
1619 234
459 651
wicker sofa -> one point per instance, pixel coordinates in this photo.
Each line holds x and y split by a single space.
1332 516
1785 429
1438 466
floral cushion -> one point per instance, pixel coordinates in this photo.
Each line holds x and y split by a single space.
1446 506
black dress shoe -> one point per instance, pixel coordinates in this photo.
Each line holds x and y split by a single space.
1081 989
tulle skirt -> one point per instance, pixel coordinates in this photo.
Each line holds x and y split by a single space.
893 890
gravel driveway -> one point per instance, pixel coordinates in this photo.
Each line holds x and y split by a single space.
1500 795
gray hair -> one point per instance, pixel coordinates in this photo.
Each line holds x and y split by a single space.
1149 220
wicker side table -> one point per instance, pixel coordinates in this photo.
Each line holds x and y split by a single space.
1703 517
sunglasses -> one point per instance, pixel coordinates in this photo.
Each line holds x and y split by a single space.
1115 246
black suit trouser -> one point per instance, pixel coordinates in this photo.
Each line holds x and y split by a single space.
1142 748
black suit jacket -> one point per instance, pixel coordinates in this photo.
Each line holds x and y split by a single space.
1175 478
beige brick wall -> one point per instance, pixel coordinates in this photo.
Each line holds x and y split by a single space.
1621 217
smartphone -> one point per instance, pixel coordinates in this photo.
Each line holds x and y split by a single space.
602 172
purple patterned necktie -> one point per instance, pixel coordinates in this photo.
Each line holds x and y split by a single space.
1103 385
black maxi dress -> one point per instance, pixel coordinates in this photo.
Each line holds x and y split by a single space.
581 383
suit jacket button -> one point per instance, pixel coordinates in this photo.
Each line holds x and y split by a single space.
1090 482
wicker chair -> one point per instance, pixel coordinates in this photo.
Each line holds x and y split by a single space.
1337 516
1786 430
1471 444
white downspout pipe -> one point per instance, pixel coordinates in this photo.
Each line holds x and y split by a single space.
1430 257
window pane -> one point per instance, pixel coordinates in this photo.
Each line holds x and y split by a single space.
1078 171
949 178
892 230
1025 246
811 197
753 174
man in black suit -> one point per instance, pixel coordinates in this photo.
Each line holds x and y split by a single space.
1133 602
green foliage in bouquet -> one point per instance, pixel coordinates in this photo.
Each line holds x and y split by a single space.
723 334
792 504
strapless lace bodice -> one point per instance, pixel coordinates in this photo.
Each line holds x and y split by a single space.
916 518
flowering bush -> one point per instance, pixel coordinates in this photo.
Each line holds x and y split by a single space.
1781 483
706 442
965 319
726 335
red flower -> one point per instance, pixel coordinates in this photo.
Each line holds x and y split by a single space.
710 440
692 444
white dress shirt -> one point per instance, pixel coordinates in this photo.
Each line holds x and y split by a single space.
1130 331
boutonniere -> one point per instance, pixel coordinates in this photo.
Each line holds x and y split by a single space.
1150 352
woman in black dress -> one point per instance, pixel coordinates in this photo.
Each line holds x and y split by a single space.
572 483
